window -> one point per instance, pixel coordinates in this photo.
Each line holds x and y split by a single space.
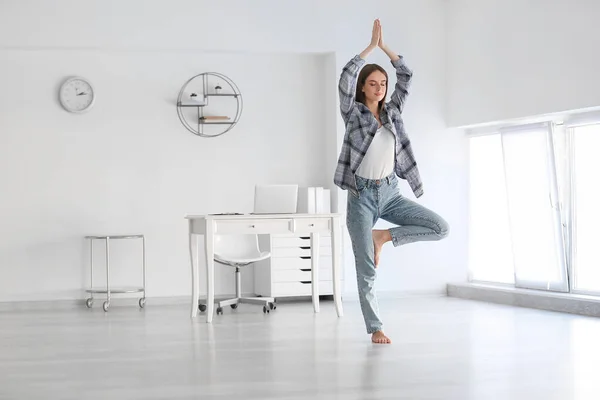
531 185
534 207
585 164
490 253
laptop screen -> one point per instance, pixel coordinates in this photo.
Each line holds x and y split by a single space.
275 199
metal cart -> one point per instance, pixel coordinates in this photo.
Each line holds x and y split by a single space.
109 291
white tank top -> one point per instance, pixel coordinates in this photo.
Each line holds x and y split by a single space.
379 160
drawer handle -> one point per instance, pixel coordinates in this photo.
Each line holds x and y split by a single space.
305 269
306 282
305 257
305 237
252 226
311 224
305 247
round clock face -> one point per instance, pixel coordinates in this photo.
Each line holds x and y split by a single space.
76 95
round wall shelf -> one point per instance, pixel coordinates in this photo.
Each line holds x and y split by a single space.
209 104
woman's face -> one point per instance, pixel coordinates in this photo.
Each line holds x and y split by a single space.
375 86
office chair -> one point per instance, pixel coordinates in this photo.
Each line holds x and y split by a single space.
239 251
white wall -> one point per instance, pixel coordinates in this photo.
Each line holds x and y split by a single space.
514 58
130 166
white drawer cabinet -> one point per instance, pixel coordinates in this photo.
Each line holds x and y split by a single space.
298 252
300 274
287 273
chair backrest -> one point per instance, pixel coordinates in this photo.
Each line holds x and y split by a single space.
237 246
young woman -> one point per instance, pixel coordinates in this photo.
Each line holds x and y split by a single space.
375 152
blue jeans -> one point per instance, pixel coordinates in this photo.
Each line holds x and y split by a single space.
381 199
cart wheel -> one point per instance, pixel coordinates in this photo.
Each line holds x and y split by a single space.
219 310
142 302
233 306
89 302
202 307
105 306
266 310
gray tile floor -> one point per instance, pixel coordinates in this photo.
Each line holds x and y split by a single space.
443 348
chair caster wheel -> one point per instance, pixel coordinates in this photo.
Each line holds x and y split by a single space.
219 310
202 307
105 306
142 302
266 310
89 302
234 306
272 306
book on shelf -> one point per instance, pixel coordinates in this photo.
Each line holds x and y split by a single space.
215 118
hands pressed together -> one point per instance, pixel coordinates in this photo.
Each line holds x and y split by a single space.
377 35
377 41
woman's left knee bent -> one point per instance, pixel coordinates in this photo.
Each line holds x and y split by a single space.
444 228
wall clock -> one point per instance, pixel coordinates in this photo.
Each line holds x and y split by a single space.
76 95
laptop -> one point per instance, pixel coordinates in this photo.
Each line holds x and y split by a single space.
275 199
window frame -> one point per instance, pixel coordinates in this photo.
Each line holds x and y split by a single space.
560 124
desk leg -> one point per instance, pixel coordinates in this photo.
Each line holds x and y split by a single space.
194 262
209 246
336 247
315 244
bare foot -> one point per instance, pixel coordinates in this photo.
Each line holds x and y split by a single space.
380 338
380 237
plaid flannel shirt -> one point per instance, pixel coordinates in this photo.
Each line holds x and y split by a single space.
361 127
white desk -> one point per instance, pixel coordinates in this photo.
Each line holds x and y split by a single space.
313 224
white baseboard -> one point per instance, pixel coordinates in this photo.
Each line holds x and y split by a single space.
399 294
53 304
70 304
